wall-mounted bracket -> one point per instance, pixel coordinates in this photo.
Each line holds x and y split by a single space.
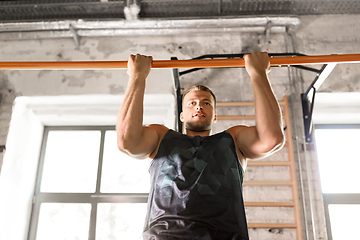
178 97
268 27
308 99
75 37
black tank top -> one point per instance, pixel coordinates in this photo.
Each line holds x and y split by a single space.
196 190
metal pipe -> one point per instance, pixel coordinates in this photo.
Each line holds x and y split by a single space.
198 63
295 137
61 29
150 24
25 35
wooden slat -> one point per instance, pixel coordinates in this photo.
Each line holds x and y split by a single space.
290 163
236 117
266 183
239 104
269 204
235 104
268 163
271 225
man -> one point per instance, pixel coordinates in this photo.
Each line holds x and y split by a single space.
196 179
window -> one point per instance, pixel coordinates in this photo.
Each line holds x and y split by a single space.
86 188
339 163
29 118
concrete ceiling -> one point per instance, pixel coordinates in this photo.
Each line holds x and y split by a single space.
35 10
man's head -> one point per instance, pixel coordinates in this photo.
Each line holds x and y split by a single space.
198 108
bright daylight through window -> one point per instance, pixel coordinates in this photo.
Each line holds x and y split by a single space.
83 171
339 163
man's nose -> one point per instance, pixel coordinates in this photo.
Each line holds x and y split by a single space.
198 107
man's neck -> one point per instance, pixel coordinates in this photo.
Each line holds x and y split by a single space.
191 133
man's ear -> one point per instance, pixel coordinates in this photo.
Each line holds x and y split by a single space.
182 117
215 118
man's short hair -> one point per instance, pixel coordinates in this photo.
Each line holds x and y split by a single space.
201 88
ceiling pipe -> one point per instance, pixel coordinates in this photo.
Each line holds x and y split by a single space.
131 11
60 29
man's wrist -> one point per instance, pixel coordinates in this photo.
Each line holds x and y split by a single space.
137 78
258 74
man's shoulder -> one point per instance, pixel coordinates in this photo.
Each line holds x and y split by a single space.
158 128
161 130
236 129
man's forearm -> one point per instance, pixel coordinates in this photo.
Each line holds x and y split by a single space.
130 118
267 112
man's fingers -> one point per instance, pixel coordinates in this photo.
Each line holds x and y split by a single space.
140 56
132 57
139 65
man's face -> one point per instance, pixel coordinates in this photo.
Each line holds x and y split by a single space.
198 111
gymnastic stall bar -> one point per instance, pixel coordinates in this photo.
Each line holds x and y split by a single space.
290 148
267 183
272 225
268 163
237 104
194 63
269 204
290 163
236 117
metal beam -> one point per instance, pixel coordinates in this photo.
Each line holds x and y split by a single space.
178 97
308 99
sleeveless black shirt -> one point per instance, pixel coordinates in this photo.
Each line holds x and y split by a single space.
196 190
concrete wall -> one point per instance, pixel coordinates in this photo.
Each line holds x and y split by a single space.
333 34
316 35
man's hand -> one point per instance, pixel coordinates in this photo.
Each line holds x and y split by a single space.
257 63
139 66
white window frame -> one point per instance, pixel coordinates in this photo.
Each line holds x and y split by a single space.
337 110
91 198
30 116
337 198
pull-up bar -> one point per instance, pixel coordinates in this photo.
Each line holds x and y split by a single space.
197 63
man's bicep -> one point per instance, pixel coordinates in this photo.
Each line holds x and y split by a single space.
148 142
248 142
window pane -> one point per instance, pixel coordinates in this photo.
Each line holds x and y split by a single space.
71 161
120 221
121 173
63 221
339 159
345 221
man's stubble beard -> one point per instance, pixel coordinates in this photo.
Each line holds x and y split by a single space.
198 127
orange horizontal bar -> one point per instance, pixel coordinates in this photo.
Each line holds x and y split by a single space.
269 204
198 63
272 225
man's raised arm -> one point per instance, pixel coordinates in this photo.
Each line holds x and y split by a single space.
267 136
132 137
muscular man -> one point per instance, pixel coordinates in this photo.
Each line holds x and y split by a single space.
196 179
